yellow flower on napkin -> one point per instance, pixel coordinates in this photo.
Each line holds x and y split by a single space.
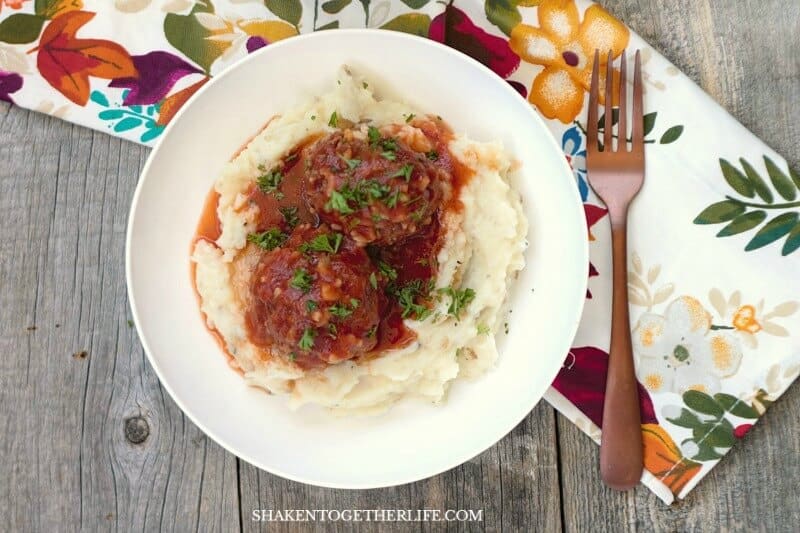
565 47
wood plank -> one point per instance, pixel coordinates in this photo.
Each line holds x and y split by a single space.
515 483
69 385
744 54
67 461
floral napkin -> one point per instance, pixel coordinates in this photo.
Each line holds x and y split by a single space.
714 234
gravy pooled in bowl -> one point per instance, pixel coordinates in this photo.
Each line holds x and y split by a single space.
344 260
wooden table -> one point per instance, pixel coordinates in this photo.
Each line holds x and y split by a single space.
91 440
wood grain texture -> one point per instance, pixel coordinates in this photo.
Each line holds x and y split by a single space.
73 370
515 483
69 387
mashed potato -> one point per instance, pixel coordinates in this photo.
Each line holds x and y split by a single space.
483 250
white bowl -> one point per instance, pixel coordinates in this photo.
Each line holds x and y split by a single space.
413 440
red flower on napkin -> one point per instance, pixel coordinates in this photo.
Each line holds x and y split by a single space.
582 380
455 29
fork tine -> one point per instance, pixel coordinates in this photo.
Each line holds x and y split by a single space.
594 91
608 140
622 129
637 136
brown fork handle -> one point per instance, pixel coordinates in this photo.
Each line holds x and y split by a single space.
621 442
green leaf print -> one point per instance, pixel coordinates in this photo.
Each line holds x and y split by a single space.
720 212
792 241
21 28
334 6
503 14
773 230
687 419
780 181
743 223
795 177
415 4
650 122
52 8
713 432
188 35
414 23
702 403
735 406
671 135
736 179
759 185
746 212
289 10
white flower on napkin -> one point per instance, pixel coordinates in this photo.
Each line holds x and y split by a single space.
681 351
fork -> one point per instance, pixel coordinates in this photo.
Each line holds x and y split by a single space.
616 176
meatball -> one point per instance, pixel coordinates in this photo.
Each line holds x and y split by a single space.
373 188
312 300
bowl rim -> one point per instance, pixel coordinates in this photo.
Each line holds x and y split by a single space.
453 461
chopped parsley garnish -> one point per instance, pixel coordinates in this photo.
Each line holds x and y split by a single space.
433 155
324 242
422 261
365 85
390 156
351 163
292 357
373 280
410 117
332 331
417 215
391 201
375 189
289 158
347 199
459 299
270 182
408 296
371 332
268 240
313 117
390 144
311 305
374 135
387 271
307 340
405 171
354 303
376 217
301 280
290 216
334 120
340 311
338 202
483 329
